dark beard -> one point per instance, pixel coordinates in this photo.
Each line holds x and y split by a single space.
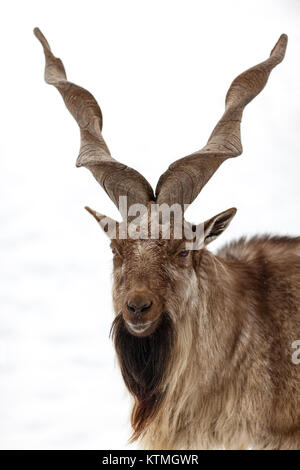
143 363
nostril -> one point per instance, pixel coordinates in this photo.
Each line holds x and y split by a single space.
131 306
139 307
146 306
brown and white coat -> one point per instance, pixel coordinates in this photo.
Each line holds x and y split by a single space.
204 341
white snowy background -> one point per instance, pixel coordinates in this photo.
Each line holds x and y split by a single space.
160 71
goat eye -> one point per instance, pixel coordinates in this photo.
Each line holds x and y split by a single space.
114 251
183 253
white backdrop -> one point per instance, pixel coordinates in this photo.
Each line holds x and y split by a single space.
160 71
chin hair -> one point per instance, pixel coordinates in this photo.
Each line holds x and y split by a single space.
143 362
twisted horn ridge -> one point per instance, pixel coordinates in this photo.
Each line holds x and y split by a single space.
115 178
185 178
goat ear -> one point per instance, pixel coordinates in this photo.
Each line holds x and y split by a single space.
108 225
217 224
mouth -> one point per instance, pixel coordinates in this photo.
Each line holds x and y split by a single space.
141 329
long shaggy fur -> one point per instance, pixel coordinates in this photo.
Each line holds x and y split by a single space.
143 363
226 378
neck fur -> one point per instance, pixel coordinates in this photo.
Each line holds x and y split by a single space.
205 337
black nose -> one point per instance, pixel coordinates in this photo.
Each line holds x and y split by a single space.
139 305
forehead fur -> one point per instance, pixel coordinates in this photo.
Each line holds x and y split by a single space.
142 247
